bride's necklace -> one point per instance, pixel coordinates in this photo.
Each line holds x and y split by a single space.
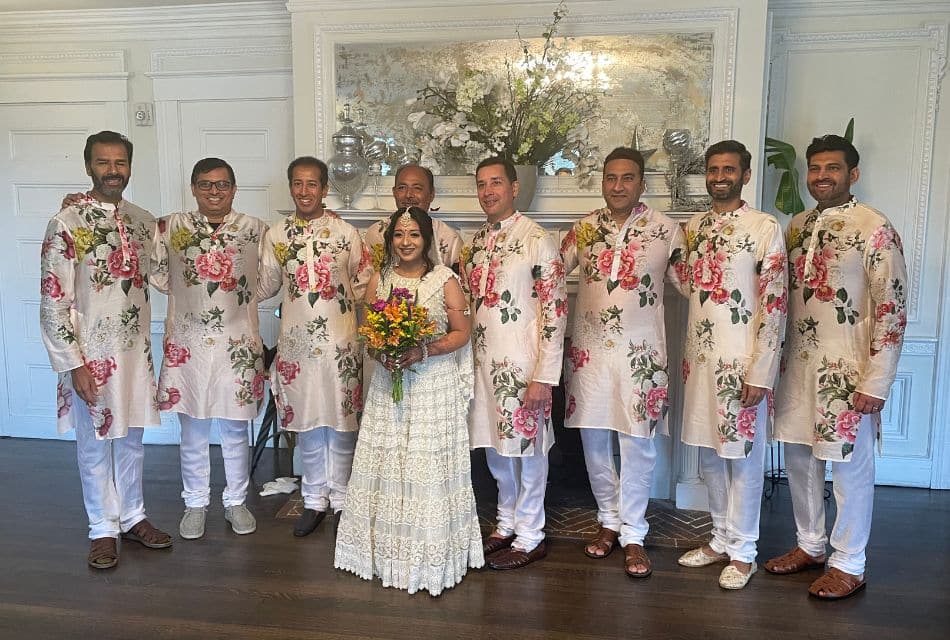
414 275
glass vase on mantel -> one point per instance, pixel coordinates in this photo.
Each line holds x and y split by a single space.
527 185
348 168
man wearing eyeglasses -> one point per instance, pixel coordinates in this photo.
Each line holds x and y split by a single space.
213 365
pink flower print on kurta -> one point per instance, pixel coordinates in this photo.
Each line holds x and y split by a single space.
846 425
490 297
51 288
168 398
648 372
101 369
175 354
837 419
64 400
215 266
287 370
124 266
745 423
525 422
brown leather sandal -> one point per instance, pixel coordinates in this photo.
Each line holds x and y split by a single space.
145 534
836 584
792 562
634 554
602 545
103 553
494 544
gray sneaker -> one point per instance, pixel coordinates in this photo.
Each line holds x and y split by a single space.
242 521
192 525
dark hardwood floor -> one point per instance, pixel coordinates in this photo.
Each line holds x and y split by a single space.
270 585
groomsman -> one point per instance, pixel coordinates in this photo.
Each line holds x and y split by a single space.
415 187
615 365
94 318
213 368
514 277
734 272
848 306
317 374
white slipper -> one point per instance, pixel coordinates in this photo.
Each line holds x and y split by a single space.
732 578
696 558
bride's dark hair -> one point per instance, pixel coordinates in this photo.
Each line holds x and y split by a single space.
425 228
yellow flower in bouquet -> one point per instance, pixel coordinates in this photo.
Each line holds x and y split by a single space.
395 325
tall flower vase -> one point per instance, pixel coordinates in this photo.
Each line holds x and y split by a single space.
527 184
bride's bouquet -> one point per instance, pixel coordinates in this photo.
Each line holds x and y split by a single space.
394 326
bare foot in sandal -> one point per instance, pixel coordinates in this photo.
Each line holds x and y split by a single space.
602 545
103 553
636 562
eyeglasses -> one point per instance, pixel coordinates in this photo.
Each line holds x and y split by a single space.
205 185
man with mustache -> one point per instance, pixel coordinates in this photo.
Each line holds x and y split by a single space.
848 307
734 271
415 187
213 369
95 319
514 277
615 366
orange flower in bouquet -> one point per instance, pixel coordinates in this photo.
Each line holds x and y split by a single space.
394 326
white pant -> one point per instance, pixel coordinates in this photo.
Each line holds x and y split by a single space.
111 475
326 456
735 495
196 460
521 486
621 499
853 483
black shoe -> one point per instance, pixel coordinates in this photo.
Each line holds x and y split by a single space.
308 521
337 516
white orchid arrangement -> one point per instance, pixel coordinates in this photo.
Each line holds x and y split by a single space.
540 107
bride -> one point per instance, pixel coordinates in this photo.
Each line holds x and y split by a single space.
409 515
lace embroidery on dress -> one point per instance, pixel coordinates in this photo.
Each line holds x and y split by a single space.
409 515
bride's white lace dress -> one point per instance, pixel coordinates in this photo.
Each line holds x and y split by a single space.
409 515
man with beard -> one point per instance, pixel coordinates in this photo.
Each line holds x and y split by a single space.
415 187
213 369
847 305
615 366
734 272
94 316
317 375
514 278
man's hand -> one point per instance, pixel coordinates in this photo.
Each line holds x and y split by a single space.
72 198
85 385
866 404
751 396
537 397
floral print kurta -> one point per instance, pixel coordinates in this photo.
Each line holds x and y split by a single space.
615 360
317 375
448 242
94 309
848 285
734 272
213 364
513 275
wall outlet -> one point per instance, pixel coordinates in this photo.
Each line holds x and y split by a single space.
142 111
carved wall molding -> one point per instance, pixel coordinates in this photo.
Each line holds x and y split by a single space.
721 22
814 8
116 56
930 38
235 20
160 59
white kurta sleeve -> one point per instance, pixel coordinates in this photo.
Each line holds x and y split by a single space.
569 250
551 293
771 308
58 297
360 265
270 275
887 280
677 262
454 243
158 272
